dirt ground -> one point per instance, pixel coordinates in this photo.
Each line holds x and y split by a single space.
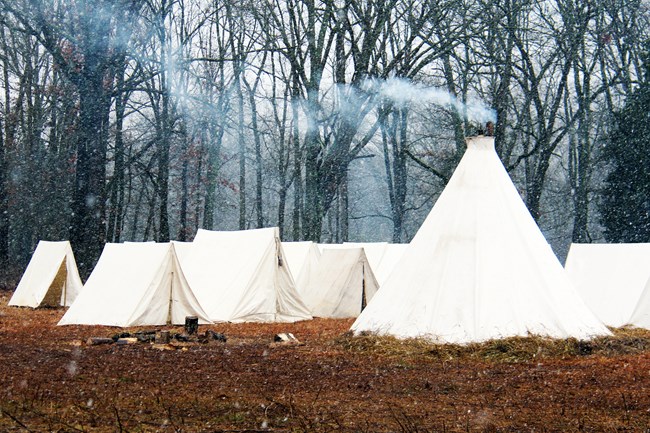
52 380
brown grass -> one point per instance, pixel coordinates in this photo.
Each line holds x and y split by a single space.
514 349
51 381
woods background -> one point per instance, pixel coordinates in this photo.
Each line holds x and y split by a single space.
335 120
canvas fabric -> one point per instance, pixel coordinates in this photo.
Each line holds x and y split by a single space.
50 279
341 284
302 258
241 276
478 268
135 284
640 316
609 277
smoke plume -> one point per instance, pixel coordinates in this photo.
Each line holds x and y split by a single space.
402 92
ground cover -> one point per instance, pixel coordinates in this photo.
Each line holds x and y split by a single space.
51 380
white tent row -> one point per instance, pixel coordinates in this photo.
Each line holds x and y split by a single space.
50 279
382 256
135 284
392 255
479 268
235 276
241 276
340 285
641 314
302 258
610 278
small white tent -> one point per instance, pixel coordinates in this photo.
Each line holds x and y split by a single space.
381 256
241 276
609 277
341 285
135 284
479 268
641 315
374 251
51 278
392 255
301 257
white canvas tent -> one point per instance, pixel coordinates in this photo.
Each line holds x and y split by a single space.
135 284
341 285
374 250
301 257
381 256
51 278
241 276
392 255
479 268
641 315
609 277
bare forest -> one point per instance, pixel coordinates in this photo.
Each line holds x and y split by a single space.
335 120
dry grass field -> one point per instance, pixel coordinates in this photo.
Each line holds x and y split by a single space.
53 381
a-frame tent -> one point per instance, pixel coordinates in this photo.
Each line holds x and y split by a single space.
609 277
382 256
301 257
479 268
641 314
392 256
50 279
135 284
341 285
241 276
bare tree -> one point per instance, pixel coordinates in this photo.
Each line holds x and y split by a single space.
79 36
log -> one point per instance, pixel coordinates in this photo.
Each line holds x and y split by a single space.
128 340
162 337
183 338
145 336
94 341
217 336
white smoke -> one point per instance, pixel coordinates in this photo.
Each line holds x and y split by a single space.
401 92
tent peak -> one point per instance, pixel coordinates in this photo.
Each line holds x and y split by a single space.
480 142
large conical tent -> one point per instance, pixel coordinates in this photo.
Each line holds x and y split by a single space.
135 284
641 315
341 285
479 268
609 277
51 278
241 276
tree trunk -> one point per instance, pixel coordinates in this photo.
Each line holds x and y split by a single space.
117 186
399 177
4 144
344 218
297 165
258 160
242 149
394 131
582 165
184 229
4 208
212 173
313 215
88 229
163 143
